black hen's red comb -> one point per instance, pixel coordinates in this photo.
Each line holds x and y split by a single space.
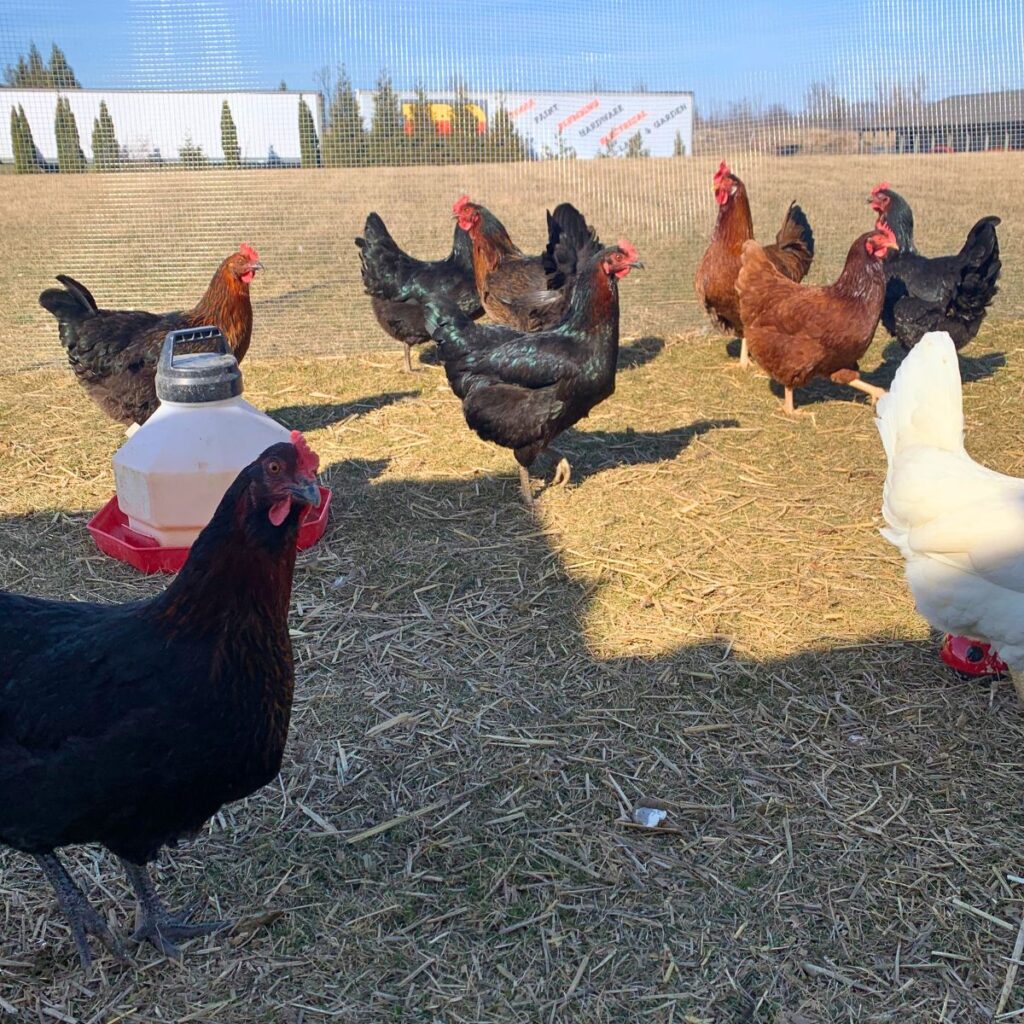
309 461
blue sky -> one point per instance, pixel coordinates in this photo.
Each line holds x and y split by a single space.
768 51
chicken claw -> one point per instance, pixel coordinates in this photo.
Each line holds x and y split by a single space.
80 915
159 926
563 473
874 393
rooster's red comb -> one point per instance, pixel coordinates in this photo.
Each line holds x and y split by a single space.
629 249
249 252
881 187
460 204
722 173
309 461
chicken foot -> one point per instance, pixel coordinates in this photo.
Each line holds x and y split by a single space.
80 915
875 393
159 926
563 473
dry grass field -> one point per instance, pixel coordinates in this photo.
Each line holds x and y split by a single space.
706 619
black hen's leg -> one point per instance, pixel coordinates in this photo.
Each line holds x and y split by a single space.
408 358
83 919
524 485
159 926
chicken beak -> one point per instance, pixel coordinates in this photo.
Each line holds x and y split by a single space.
306 491
637 265
256 266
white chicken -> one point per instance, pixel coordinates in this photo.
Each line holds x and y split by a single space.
959 525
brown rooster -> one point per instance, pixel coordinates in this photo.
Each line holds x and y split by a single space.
114 352
799 332
715 282
530 293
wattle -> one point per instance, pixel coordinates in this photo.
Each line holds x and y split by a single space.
279 511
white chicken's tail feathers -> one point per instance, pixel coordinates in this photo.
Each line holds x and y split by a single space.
924 406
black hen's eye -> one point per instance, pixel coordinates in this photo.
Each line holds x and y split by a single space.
975 653
273 467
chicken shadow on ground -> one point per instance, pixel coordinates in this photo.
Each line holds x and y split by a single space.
639 353
592 451
317 416
448 651
972 369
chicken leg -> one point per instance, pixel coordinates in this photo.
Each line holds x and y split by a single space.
524 485
875 393
563 473
744 355
80 915
408 358
159 926
788 407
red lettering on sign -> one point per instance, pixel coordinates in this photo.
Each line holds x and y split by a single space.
523 108
582 112
625 126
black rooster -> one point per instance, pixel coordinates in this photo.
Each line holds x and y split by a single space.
130 725
522 390
387 269
944 293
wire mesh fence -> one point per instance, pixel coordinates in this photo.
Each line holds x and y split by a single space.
156 135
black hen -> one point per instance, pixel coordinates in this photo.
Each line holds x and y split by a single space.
388 270
944 293
130 725
522 390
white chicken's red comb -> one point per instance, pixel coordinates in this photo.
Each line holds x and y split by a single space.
249 252
309 461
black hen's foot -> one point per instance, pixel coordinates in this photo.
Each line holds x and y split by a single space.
84 921
563 473
159 927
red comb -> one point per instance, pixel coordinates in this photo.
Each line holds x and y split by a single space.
309 461
628 248
722 172
460 204
249 252
883 187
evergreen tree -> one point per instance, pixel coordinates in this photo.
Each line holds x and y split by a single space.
38 75
427 146
465 141
504 143
33 73
635 146
192 156
229 138
388 143
61 74
309 144
679 147
26 157
70 158
106 154
344 141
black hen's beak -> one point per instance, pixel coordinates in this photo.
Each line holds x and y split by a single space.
306 491
637 265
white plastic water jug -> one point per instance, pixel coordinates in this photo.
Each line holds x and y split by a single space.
172 472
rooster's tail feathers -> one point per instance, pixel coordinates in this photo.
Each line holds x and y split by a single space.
68 304
796 234
924 406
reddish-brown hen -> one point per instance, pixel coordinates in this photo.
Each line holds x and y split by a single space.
114 352
799 332
715 282
530 293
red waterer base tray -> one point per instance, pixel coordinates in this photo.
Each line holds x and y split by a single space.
110 530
